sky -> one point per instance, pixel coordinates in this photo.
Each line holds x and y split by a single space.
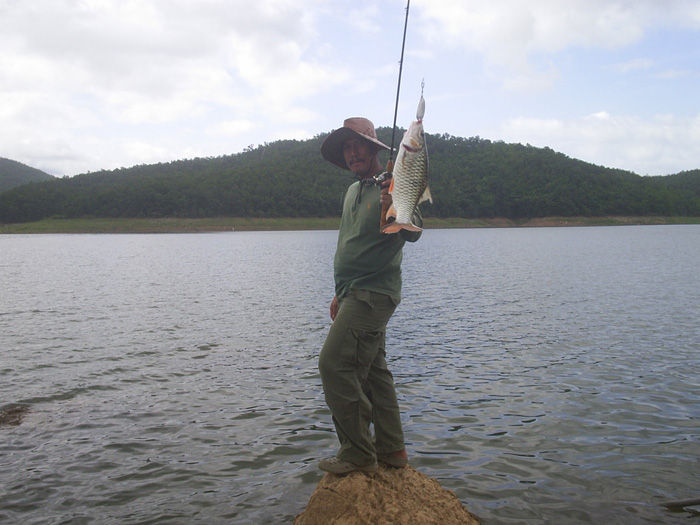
87 85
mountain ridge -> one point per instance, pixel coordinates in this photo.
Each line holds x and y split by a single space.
469 177
14 173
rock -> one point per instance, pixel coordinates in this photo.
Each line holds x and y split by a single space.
13 415
387 497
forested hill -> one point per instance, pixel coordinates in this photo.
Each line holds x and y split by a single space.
469 178
13 174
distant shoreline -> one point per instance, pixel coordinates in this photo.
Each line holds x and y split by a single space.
228 224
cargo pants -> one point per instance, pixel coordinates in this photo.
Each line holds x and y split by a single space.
358 386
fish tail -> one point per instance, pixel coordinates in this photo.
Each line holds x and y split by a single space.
394 227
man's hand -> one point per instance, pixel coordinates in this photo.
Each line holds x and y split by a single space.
385 196
334 307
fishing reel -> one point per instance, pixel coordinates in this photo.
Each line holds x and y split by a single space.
381 177
377 179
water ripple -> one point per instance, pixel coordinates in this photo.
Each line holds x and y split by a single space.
172 378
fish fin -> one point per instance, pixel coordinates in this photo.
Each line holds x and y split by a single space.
426 196
391 212
411 227
391 186
394 227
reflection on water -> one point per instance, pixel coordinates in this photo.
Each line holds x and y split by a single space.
544 374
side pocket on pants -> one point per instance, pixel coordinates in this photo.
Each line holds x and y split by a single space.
367 346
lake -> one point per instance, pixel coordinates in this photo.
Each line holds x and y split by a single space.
545 375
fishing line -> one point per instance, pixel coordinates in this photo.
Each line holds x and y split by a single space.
390 163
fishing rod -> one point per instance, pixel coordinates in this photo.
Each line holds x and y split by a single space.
390 163
398 87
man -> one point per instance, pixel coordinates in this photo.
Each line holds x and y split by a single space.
359 388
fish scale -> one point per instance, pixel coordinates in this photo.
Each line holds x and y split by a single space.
409 183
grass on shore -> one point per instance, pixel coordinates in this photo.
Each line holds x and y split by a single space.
227 224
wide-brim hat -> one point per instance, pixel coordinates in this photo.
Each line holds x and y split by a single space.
332 147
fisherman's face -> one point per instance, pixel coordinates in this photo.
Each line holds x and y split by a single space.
360 156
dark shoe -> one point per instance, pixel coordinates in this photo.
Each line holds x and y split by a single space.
395 459
339 467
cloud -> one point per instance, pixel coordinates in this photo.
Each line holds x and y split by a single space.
634 65
70 67
644 146
232 128
366 19
511 34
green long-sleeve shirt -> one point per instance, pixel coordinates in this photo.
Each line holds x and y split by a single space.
365 258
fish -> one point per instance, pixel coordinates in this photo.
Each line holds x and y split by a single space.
409 182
